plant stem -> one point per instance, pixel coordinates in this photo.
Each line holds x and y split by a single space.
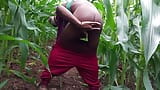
139 80
123 69
141 62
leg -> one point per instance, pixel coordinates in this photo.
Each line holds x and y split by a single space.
58 63
91 78
45 78
89 73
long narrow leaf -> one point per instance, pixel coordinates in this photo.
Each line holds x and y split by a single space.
24 53
151 27
110 19
122 26
33 45
147 82
113 60
2 84
122 22
19 16
116 88
24 77
5 28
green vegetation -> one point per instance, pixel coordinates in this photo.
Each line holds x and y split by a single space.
128 48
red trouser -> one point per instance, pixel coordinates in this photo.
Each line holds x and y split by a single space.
61 60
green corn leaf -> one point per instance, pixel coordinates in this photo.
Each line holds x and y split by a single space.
135 64
158 82
24 77
122 22
19 16
33 45
2 84
146 81
99 6
110 20
122 26
6 28
1 66
3 3
116 88
24 53
113 60
156 63
125 3
150 27
103 67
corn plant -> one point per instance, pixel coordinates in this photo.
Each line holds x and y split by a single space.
24 27
128 50
130 35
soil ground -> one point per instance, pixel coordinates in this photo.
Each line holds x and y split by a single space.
68 81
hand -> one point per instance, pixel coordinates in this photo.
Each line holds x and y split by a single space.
52 20
91 25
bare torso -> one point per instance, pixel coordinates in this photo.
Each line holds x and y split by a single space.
71 36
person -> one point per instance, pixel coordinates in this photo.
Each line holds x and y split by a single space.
79 26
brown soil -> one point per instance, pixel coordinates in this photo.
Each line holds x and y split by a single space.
68 81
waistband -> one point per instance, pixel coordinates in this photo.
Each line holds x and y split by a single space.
57 46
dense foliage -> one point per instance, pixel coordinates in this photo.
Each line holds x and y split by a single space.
128 49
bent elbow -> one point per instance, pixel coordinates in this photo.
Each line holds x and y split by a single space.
59 9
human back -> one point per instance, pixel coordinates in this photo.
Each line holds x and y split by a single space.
70 50
85 11
71 36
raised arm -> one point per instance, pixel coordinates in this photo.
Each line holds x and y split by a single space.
66 14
